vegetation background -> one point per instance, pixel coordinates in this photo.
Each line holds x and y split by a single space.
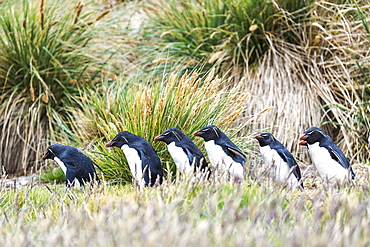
78 72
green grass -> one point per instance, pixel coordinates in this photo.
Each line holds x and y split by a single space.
222 33
46 56
147 107
186 214
53 175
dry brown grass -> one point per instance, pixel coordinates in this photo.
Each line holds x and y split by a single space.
22 135
318 82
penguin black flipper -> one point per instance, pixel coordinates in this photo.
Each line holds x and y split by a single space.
289 159
338 156
153 172
191 157
71 175
235 153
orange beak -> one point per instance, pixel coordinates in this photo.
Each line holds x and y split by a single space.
257 136
303 138
197 133
158 138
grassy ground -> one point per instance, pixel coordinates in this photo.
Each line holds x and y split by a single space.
313 70
186 213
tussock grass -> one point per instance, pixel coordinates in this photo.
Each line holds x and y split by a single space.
185 214
307 60
343 83
147 107
320 80
45 57
225 33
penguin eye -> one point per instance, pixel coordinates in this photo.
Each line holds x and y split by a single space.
266 137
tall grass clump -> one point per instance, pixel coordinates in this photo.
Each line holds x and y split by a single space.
225 33
354 97
320 79
339 73
147 107
45 57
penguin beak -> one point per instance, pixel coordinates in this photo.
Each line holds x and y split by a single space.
197 133
109 144
158 138
46 155
303 140
257 136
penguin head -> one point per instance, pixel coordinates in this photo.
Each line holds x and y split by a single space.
53 151
48 155
170 135
265 138
120 140
210 132
312 135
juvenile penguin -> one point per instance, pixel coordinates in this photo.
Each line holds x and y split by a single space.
78 168
144 163
275 154
186 155
327 158
222 152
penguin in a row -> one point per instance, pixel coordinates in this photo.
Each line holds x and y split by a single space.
278 158
327 158
144 163
223 154
77 166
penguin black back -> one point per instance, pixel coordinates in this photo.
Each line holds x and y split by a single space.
325 154
213 133
285 162
75 164
150 163
174 136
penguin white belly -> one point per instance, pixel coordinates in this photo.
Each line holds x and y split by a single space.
220 159
282 170
325 165
64 168
134 163
61 164
180 158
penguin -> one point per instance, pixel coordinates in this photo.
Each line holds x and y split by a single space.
77 166
223 154
186 155
275 154
144 163
327 158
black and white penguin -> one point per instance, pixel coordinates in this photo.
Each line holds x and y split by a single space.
275 154
222 152
144 163
78 168
186 155
327 158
